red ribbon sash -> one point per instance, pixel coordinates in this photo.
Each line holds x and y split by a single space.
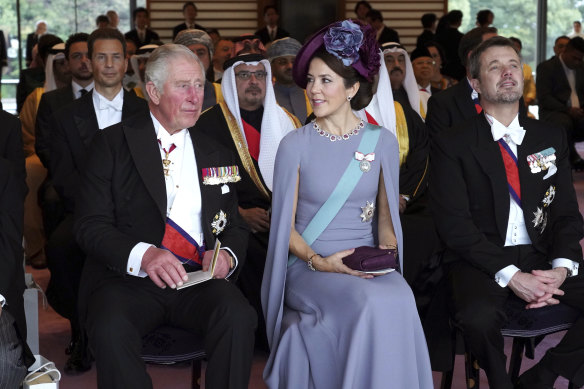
182 245
253 139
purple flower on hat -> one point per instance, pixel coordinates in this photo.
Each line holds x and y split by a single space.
343 41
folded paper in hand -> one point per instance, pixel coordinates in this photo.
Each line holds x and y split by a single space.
196 277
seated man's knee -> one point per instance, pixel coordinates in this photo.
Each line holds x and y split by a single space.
479 318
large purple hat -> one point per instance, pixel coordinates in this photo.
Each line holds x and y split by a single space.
351 41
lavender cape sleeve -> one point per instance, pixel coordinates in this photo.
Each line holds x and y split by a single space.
285 177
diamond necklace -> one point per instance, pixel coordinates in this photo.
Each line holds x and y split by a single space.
334 138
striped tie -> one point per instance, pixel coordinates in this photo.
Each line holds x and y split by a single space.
511 170
477 104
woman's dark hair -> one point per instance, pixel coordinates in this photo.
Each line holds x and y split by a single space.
350 76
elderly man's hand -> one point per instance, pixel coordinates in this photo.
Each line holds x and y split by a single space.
222 266
258 219
163 268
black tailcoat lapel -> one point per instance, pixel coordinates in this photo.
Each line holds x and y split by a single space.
141 138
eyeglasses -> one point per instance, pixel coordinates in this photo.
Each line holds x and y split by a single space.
245 75
420 63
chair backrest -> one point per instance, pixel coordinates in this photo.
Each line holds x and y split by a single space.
527 323
169 344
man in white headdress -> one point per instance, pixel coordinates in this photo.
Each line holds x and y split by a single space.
251 124
138 63
401 74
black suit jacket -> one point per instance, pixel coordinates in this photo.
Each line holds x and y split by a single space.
50 103
470 196
264 36
449 39
425 37
388 35
12 194
122 199
449 107
74 127
150 37
31 40
182 27
553 90
11 144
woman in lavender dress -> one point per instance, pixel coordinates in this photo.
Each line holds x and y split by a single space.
329 326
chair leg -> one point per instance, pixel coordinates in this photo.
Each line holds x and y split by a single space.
516 357
196 375
446 382
472 370
447 379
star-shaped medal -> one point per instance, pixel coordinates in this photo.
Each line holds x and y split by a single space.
368 212
219 222
540 220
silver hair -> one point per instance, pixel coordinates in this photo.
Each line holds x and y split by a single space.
157 66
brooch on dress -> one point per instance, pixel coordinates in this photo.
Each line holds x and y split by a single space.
364 160
368 212
219 222
220 175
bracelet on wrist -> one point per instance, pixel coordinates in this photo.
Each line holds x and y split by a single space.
309 262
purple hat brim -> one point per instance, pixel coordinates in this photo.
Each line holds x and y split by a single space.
304 56
302 61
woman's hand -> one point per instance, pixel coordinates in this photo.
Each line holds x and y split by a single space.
334 264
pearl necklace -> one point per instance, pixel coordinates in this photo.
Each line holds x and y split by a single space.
334 138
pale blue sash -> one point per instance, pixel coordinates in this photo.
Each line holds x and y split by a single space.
342 191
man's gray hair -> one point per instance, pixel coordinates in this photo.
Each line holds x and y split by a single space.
157 66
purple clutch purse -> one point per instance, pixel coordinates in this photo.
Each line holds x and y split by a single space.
367 258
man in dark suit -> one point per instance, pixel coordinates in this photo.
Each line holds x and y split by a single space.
459 102
509 219
429 34
141 34
190 13
449 38
384 33
560 94
15 355
40 28
129 200
72 128
271 31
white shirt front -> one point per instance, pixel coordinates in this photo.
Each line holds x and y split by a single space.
516 228
108 112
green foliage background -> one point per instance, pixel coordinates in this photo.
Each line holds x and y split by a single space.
60 17
518 18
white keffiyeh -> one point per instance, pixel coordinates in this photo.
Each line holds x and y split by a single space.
381 107
275 122
410 84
